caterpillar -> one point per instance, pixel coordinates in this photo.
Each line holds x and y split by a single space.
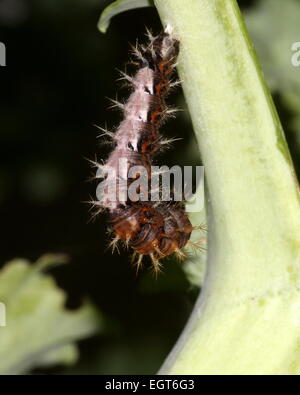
155 229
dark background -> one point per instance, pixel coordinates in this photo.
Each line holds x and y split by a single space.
60 69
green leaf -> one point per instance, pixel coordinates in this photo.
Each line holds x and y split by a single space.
39 330
274 27
117 7
66 355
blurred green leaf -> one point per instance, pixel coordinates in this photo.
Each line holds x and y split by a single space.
116 8
66 355
274 27
39 330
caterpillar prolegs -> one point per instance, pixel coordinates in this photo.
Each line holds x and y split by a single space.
151 228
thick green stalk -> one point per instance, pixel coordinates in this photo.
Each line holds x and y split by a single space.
247 319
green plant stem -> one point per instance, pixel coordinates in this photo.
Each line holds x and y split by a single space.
247 319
